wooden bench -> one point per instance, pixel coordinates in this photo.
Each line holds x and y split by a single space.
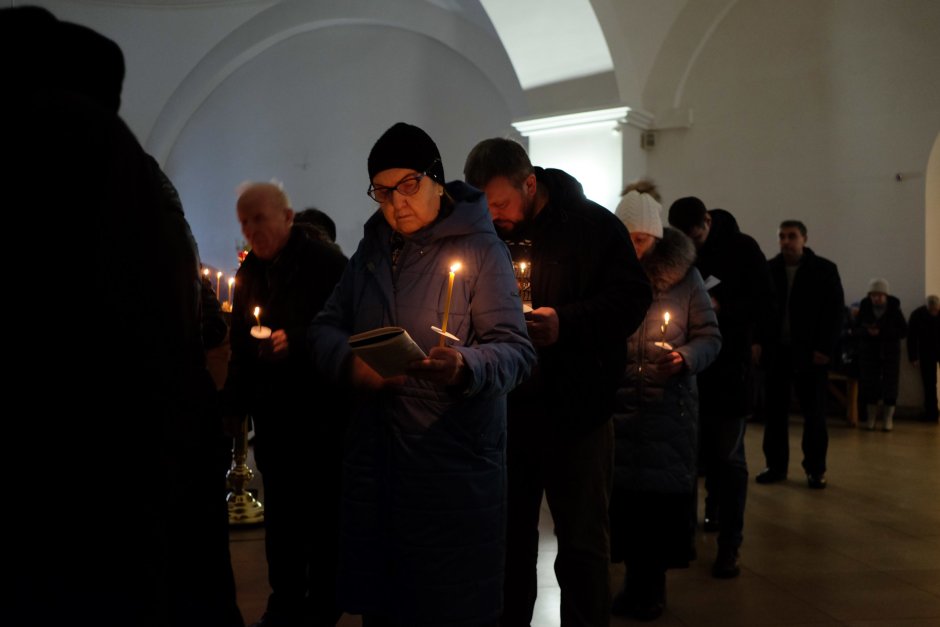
845 390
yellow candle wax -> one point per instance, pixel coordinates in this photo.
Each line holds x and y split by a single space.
450 293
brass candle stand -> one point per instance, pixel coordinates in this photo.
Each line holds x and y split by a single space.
243 507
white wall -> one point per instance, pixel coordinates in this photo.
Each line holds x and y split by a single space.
307 112
808 109
299 91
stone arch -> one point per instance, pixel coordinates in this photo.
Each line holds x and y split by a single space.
296 17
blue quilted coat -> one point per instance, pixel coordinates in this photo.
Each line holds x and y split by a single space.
423 512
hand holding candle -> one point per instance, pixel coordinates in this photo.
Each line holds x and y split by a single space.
260 332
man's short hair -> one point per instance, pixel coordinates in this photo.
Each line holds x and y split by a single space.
317 219
687 213
794 224
273 192
497 157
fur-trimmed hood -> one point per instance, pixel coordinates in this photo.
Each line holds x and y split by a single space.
669 261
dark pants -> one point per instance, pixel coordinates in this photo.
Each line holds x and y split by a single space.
809 381
301 471
879 371
202 582
575 474
721 450
928 375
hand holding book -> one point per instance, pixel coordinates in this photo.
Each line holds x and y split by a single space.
388 350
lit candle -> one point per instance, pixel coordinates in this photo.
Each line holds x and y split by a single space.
259 331
205 273
231 283
218 282
525 286
450 293
665 326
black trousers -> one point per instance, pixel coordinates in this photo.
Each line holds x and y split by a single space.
575 474
879 370
301 471
809 382
721 450
928 375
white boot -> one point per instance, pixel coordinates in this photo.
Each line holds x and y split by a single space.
889 418
872 416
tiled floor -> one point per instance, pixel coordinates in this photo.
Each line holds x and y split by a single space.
865 552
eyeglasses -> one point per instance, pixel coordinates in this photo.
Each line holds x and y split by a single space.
408 186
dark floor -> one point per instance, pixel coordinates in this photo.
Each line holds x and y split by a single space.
864 552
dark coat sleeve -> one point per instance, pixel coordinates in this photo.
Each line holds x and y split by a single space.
624 292
831 300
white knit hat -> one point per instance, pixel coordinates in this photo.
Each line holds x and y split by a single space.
640 213
878 286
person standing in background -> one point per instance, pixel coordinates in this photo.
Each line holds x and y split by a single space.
742 296
589 294
656 419
880 328
809 322
923 350
298 417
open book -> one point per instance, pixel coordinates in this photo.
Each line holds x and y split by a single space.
388 349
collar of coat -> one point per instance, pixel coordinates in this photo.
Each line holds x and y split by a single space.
669 261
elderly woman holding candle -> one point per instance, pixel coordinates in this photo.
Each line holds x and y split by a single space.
422 539
656 418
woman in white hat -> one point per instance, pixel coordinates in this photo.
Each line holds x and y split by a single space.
655 421
880 328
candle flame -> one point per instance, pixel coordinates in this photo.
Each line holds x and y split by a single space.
257 311
455 267
666 317
522 266
231 280
205 271
218 274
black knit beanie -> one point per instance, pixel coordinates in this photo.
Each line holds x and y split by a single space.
406 146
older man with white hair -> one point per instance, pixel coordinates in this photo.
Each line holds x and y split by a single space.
298 418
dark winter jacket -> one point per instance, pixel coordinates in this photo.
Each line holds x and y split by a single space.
745 306
424 499
923 339
655 423
584 266
815 305
892 328
290 290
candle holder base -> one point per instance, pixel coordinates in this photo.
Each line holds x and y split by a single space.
666 346
261 333
243 507
446 334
